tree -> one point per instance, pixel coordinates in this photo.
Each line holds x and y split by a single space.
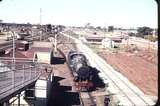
98 28
87 25
110 28
131 34
104 29
143 31
49 27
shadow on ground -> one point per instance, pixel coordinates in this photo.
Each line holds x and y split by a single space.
97 81
57 79
57 60
36 102
61 96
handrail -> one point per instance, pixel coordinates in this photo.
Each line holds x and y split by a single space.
10 58
12 80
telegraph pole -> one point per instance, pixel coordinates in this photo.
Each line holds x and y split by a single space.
55 43
40 16
13 59
40 21
55 40
13 35
148 44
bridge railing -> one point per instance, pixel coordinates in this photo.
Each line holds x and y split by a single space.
15 76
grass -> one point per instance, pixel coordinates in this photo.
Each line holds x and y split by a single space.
95 48
151 38
75 35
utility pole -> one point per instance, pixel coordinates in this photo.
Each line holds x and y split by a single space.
40 19
148 44
55 40
13 56
40 16
32 34
13 59
127 43
55 43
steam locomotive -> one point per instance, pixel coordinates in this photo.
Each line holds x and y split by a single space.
80 70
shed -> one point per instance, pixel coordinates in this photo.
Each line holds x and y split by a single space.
107 43
94 39
43 54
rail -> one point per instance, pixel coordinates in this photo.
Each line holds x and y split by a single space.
90 100
6 47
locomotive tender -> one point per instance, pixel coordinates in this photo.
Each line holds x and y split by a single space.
80 70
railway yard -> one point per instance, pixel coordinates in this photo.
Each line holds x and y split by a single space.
66 93
79 53
112 71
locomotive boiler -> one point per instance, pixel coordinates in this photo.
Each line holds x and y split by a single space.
80 70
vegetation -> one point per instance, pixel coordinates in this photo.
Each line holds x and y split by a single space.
151 38
49 27
131 34
95 48
110 28
143 31
71 33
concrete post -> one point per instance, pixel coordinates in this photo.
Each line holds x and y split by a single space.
23 74
55 43
30 71
19 99
30 92
35 70
6 103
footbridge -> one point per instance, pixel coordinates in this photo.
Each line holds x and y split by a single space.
16 77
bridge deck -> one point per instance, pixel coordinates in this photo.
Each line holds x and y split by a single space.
13 82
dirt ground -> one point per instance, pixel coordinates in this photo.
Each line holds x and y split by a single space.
140 68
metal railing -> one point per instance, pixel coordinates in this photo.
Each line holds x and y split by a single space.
13 79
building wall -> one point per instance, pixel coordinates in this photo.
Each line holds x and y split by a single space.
42 44
107 43
44 57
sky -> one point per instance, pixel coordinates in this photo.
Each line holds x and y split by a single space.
119 13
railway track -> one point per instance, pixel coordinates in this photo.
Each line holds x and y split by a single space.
129 94
86 98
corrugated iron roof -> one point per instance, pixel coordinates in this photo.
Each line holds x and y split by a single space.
18 54
39 49
30 53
